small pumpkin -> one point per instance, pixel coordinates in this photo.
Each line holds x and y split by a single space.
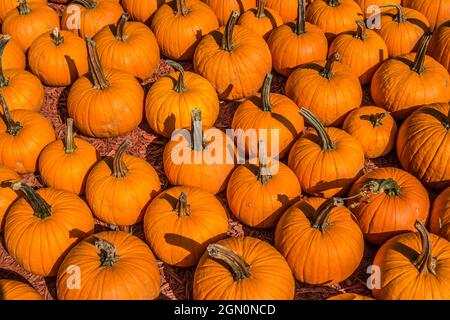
420 79
244 58
287 9
423 143
262 20
172 98
224 8
119 189
142 11
374 128
440 215
7 196
43 226
320 241
328 88
326 162
7 5
441 45
371 12
65 164
128 46
437 11
13 56
106 102
243 268
120 267
295 44
16 290
350 296
414 266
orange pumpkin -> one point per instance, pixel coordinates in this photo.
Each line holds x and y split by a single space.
7 196
326 162
414 266
287 9
116 265
43 226
420 79
319 239
16 290
7 5
243 268
374 128
243 56
328 88
440 215
262 20
106 102
437 11
172 98
223 8
142 11
292 44
350 296
181 222
119 189
65 165
13 56
371 12
441 45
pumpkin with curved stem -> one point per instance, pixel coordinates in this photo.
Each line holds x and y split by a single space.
398 200
270 117
16 290
437 11
58 58
370 12
43 226
7 196
119 189
28 21
142 11
441 45
440 215
106 102
172 98
65 164
181 222
423 143
261 19
12 56
201 157
329 89
292 44
350 296
362 50
7 5
87 17
320 241
420 79
120 267
326 162
223 8
374 128
414 266
180 25
244 58
285 8
128 46
243 268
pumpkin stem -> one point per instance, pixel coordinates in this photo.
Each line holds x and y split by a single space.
183 209
425 261
179 87
88 4
197 142
388 186
227 39
376 119
12 127
4 81
419 61
23 7
264 174
327 142
320 221
327 71
120 27
447 123
70 145
361 33
107 252
301 24
400 16
119 168
100 81
182 8
58 39
40 207
260 10
333 3
239 268
265 93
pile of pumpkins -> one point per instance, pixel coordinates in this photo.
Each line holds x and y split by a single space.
326 49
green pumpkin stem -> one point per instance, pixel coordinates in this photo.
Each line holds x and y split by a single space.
376 119
400 16
425 262
69 146
23 7
260 9
179 87
120 27
98 76
265 93
227 39
327 142
327 71
58 39
197 142
40 207
238 267
333 3
88 4
106 252
4 81
182 8
388 186
301 21
183 209
419 61
264 174
320 220
12 127
361 32
120 169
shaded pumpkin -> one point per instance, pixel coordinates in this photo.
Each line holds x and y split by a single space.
242 268
437 11
440 215
7 5
261 19
16 290
287 9
142 11
13 56
7 196
224 8
350 296
370 12
441 45
120 267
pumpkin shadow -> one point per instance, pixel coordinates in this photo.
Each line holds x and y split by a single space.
11 275
406 251
74 74
61 105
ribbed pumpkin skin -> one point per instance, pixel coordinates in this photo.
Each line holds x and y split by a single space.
385 216
441 45
13 56
223 8
39 245
181 240
7 196
16 290
350 296
271 278
7 5
437 11
376 140
142 11
365 4
262 26
134 276
440 215
287 9
138 54
20 153
58 65
317 257
422 146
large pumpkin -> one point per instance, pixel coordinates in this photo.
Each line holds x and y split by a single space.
262 20
441 45
371 12
320 241
43 226
7 5
437 11
13 56
16 290
7 196
294 44
142 11
243 56
422 145
327 161
113 265
223 8
181 222
243 268
440 215
287 9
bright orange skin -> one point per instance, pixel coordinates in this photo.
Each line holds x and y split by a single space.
271 278
7 195
7 5
142 11
16 290
350 296
39 245
440 215
441 45
437 11
223 8
20 152
262 26
317 257
287 9
365 4
13 56
134 276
